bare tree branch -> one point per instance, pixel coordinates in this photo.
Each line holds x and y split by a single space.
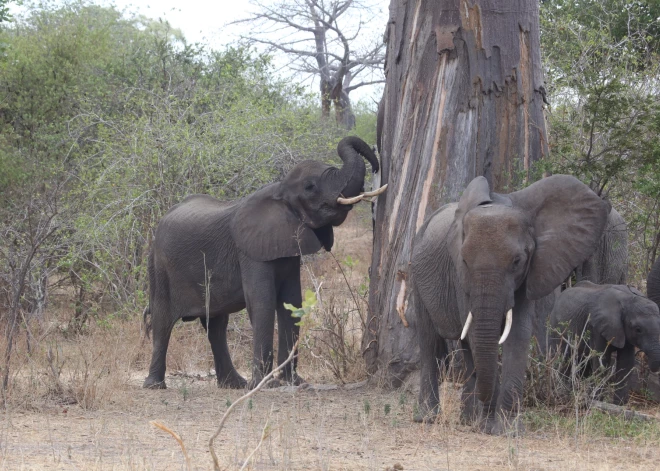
322 39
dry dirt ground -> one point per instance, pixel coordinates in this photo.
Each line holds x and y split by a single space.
356 429
76 403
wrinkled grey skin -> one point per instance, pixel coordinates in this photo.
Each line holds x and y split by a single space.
250 250
618 319
609 262
486 254
653 283
607 265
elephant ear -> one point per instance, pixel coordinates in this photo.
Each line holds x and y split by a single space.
477 193
568 220
265 228
606 319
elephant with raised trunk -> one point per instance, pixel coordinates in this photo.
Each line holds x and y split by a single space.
246 253
653 283
477 267
614 318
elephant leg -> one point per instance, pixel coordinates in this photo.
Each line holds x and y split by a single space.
515 353
431 348
471 407
286 324
625 362
161 330
226 374
261 302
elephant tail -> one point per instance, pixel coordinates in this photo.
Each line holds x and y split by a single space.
146 320
146 314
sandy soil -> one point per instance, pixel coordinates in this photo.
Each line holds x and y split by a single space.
341 429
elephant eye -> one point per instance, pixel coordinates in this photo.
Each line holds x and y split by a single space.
309 186
638 330
516 261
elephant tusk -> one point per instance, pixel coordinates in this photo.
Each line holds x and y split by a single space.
507 326
376 192
467 326
355 199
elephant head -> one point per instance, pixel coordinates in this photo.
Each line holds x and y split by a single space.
295 216
506 246
622 314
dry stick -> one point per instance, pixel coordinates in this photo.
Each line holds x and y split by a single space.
216 463
357 305
627 414
176 436
265 433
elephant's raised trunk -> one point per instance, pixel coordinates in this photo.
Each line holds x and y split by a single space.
350 179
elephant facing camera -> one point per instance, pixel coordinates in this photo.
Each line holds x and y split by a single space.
478 266
211 258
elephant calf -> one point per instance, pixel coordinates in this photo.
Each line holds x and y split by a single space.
246 253
618 319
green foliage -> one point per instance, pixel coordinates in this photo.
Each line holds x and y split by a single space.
602 60
365 121
108 120
594 423
308 305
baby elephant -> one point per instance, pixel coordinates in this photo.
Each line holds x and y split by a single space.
619 318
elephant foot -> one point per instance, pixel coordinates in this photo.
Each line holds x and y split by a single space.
511 427
294 380
271 383
426 415
471 411
232 381
151 383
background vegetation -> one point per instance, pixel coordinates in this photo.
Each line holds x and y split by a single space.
108 119
601 62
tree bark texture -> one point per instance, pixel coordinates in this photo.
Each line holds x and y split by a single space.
463 97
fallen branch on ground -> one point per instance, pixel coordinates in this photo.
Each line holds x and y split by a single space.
627 414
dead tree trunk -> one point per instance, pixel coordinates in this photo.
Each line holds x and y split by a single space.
463 97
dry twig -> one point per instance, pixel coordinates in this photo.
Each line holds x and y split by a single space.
176 436
268 377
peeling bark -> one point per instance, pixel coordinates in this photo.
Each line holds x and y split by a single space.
461 99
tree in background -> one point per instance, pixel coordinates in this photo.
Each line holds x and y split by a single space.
106 121
602 60
463 97
323 38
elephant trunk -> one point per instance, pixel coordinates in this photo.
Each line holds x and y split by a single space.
653 357
350 179
484 337
489 312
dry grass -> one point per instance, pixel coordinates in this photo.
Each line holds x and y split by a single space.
76 401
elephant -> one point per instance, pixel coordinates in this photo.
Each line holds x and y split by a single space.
607 265
211 258
609 262
618 318
483 261
653 283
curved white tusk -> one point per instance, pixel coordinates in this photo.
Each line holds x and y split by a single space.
376 192
467 326
507 326
355 199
